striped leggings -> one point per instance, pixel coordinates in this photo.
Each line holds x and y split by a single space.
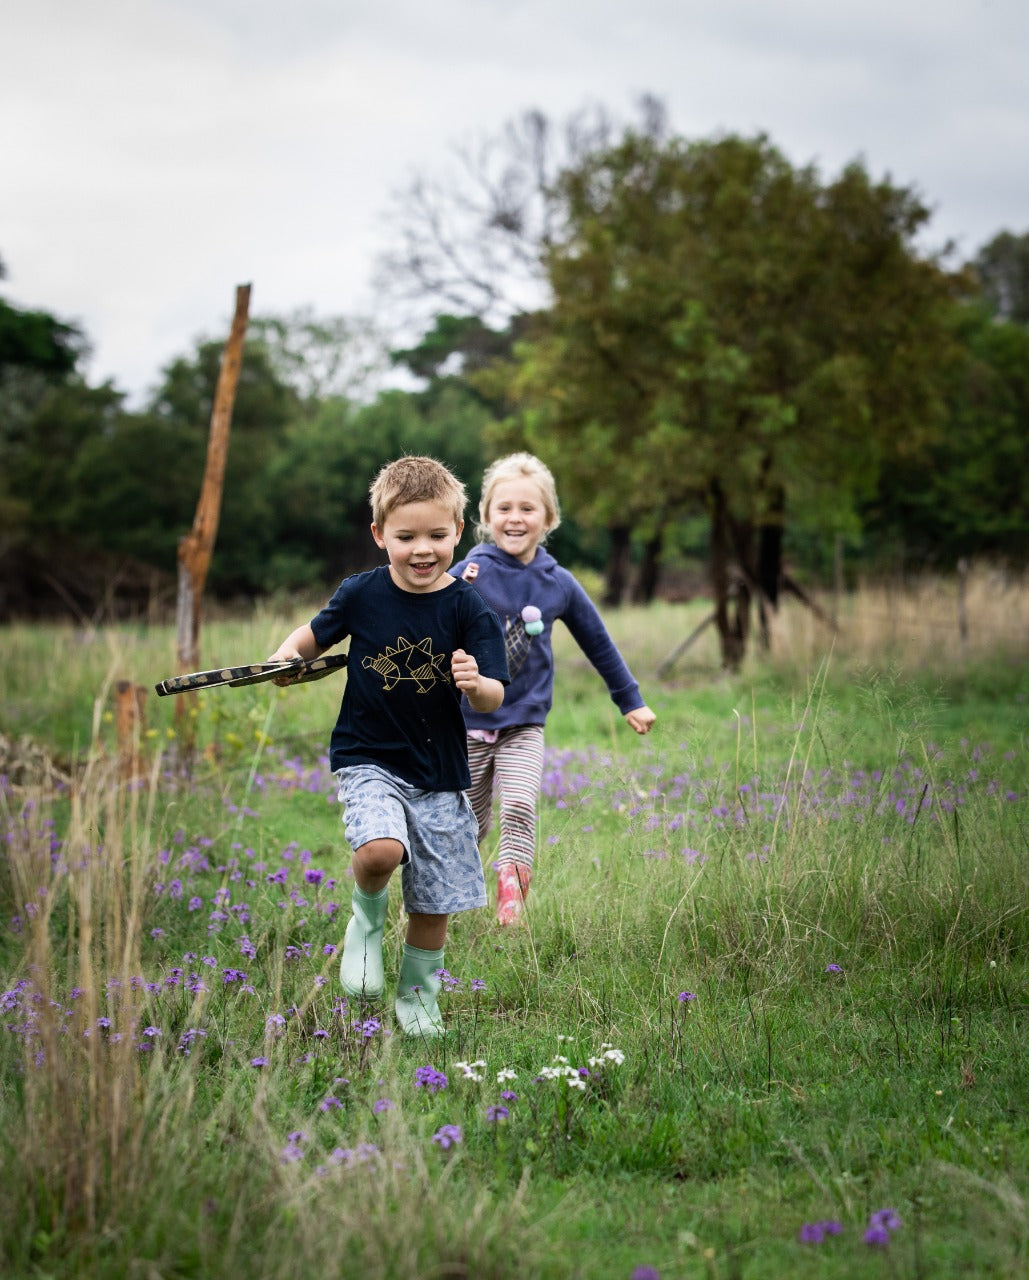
511 768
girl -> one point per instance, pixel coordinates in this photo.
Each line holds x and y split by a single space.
529 591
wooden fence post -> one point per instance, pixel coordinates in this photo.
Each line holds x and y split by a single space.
130 724
197 546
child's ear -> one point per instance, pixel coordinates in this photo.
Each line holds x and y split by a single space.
379 540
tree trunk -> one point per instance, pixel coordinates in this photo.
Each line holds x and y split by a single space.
732 632
197 546
769 551
649 571
616 577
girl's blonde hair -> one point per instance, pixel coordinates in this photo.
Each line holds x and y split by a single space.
517 466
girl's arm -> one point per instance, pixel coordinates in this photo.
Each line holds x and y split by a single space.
581 618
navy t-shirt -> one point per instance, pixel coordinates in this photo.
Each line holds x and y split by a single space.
401 709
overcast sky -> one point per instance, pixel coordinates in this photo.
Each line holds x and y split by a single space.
156 153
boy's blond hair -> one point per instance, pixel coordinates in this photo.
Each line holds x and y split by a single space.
415 479
516 466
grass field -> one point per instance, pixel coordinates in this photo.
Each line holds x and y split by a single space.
768 1016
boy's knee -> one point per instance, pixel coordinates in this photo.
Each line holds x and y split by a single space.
379 857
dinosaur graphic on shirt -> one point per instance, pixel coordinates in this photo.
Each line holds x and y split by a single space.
407 661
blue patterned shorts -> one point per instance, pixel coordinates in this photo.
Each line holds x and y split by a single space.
441 871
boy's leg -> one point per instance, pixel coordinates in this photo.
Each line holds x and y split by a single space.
360 965
418 990
519 776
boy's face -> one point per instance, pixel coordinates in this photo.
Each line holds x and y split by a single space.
420 539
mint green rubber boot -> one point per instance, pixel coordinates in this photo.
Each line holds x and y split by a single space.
417 992
360 966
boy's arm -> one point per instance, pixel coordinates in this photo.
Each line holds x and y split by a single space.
298 644
483 694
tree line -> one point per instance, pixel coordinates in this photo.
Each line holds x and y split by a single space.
723 357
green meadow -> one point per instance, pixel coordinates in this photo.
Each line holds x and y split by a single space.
768 1015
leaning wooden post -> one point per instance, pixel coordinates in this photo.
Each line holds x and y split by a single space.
197 546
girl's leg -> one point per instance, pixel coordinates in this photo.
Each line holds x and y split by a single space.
480 793
519 775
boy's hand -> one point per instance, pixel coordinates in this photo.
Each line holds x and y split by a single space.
465 671
483 693
285 653
471 571
641 719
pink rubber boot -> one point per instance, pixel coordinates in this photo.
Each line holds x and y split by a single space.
512 889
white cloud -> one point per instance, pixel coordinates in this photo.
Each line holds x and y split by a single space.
159 152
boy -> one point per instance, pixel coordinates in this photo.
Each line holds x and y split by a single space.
419 638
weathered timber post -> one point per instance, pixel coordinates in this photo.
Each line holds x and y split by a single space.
130 726
197 546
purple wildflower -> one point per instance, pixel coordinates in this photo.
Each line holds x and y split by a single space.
887 1218
429 1079
381 1105
646 1273
447 1136
684 997
833 968
497 1112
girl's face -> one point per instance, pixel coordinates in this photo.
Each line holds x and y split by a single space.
517 518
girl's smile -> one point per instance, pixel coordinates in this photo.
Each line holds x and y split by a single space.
517 517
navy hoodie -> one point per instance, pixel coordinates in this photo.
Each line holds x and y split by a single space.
509 585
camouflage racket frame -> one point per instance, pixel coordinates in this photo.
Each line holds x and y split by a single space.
298 671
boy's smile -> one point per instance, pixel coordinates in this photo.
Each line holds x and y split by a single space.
420 539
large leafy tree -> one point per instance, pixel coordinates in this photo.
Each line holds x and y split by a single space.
1002 268
733 331
970 495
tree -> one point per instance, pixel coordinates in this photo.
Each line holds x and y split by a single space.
321 357
263 409
470 243
38 341
970 495
728 330
1002 268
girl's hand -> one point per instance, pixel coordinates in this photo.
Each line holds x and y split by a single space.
641 719
471 571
